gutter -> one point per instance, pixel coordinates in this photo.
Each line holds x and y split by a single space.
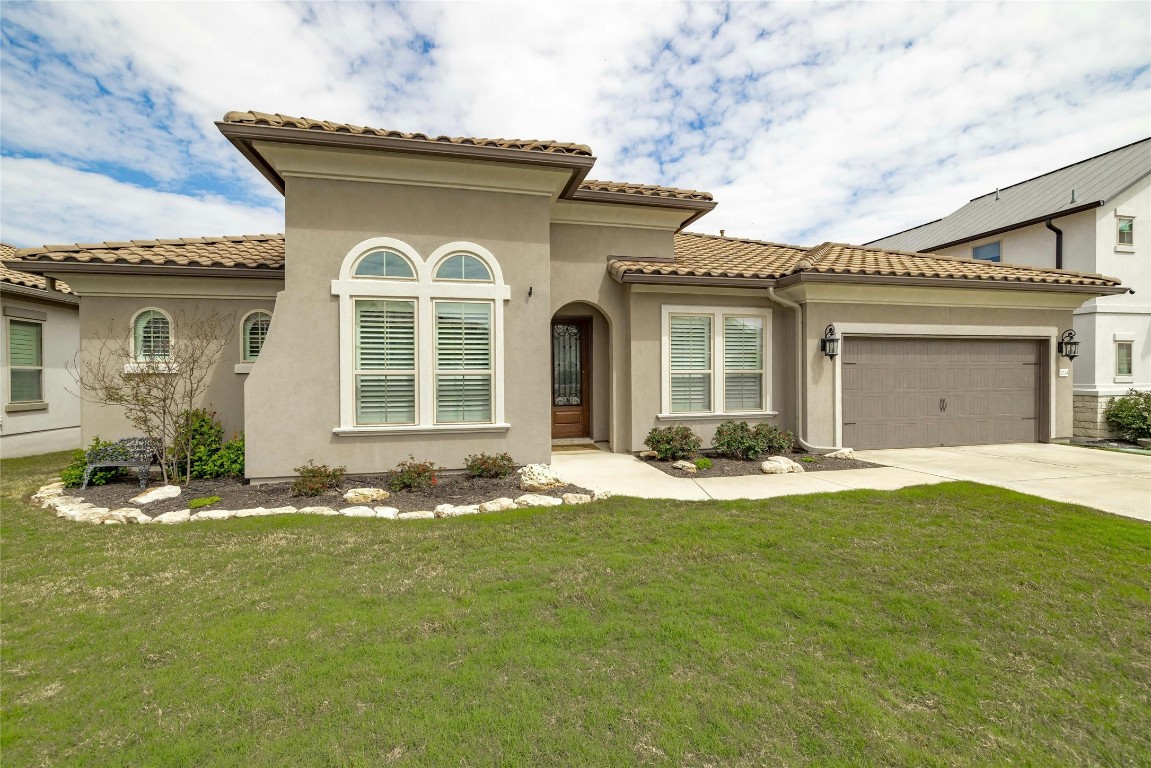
1058 242
174 270
800 410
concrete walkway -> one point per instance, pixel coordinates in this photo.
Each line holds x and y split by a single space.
1113 482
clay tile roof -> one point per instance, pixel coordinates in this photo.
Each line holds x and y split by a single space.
263 252
842 259
648 190
25 279
699 255
308 124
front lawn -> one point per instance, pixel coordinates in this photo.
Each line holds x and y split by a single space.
948 625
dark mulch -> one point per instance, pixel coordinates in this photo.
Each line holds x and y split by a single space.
722 467
236 494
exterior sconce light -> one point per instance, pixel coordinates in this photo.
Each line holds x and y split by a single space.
829 344
1068 346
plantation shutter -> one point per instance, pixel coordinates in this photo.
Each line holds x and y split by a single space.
689 345
463 334
385 341
24 357
153 336
255 331
743 363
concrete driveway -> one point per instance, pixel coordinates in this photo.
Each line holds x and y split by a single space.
1108 480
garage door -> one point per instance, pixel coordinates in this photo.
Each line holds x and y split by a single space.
906 393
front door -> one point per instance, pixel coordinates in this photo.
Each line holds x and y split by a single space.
571 379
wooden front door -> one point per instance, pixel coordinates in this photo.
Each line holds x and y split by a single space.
571 377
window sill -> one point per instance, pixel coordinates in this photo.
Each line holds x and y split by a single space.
243 367
1125 249
157 367
436 429
1125 379
742 415
30 405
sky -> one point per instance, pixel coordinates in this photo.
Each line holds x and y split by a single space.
808 122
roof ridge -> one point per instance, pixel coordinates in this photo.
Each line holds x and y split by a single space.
1048 173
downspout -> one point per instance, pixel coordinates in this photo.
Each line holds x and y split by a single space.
799 388
1058 243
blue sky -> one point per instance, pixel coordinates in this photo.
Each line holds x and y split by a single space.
808 122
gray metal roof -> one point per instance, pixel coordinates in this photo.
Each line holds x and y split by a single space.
1095 181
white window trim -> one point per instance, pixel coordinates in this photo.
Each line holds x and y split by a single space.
424 291
26 404
244 339
1124 247
136 365
717 361
1123 378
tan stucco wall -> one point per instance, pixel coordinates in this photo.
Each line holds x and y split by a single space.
102 315
646 314
57 427
299 369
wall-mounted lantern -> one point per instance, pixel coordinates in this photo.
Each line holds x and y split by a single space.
1068 346
829 344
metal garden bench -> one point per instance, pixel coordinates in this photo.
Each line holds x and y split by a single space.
131 452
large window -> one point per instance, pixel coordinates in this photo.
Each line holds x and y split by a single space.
25 362
421 343
151 336
715 360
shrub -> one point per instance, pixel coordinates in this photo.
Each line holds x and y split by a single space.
703 463
737 440
73 474
484 465
775 441
809 460
1131 414
200 434
226 462
203 501
413 475
314 479
672 443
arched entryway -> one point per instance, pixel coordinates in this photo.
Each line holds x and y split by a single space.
581 374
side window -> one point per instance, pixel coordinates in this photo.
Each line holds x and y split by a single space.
256 327
988 252
25 361
1126 233
1124 358
151 336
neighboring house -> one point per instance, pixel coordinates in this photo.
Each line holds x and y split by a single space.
441 297
41 335
1092 217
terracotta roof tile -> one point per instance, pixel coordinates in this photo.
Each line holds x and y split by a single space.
308 124
699 255
261 252
648 190
25 279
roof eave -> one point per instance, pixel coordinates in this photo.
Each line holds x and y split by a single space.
717 281
1019 225
947 282
95 268
40 294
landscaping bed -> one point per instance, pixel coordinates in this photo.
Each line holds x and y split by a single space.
723 467
236 494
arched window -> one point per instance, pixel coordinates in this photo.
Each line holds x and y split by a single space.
463 266
376 265
255 328
151 336
422 340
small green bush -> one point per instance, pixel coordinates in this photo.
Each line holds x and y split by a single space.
673 443
703 463
226 462
314 479
738 440
485 465
203 501
200 434
775 441
809 460
1131 414
413 475
73 474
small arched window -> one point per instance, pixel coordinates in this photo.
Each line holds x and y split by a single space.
463 266
151 336
384 265
256 327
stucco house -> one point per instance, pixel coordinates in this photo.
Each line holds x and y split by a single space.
1091 216
41 335
440 297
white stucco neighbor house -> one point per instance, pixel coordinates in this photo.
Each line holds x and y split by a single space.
41 334
1094 217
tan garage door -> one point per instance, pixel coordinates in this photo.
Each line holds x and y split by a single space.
907 393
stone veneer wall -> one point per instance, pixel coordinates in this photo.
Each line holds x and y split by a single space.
1089 419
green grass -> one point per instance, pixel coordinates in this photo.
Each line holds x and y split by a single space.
942 625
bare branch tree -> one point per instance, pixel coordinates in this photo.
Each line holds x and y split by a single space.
155 388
